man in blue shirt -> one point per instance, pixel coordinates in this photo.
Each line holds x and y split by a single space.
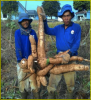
68 37
23 50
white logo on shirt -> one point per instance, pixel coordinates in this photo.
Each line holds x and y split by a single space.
72 31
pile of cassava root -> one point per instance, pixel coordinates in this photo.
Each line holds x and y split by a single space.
44 65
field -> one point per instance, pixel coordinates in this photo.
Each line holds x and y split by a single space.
9 87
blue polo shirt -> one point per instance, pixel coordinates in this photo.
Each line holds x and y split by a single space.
23 45
68 38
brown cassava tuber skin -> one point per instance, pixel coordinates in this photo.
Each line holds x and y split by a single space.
26 71
44 71
42 62
74 58
27 65
58 69
43 80
33 82
59 60
41 41
33 46
32 40
30 63
24 63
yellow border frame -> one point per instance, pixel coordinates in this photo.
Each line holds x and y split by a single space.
0 52
47 0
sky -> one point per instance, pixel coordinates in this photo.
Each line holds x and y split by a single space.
32 5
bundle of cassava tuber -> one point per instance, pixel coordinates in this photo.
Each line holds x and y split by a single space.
51 64
34 78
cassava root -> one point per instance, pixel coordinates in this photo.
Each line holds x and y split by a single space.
58 69
41 41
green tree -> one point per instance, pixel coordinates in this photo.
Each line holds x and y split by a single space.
81 5
51 8
9 8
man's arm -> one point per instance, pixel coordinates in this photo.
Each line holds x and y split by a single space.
18 47
77 41
49 31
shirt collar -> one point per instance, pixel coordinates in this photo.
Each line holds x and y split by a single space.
69 25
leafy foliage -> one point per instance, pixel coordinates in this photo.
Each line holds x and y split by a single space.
51 8
10 8
11 25
81 5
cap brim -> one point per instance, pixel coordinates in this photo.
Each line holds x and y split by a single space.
60 14
25 18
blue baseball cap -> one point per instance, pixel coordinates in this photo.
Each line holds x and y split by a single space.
65 8
23 16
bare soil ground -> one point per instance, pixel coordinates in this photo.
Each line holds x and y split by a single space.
9 86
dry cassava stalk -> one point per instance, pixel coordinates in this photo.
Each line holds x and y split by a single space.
41 41
58 69
44 71
27 75
33 46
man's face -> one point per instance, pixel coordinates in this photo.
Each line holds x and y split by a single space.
25 23
67 18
